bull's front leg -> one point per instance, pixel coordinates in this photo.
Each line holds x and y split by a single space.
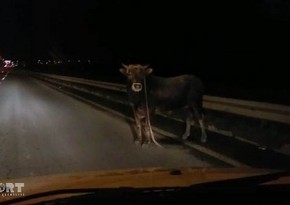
146 135
144 128
146 131
138 139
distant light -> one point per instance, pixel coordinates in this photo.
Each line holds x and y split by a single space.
89 61
68 61
8 64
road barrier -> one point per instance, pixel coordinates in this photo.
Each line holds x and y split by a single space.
253 109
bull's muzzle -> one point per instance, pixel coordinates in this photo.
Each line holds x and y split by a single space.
136 87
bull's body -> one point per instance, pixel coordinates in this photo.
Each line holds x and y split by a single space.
174 93
164 94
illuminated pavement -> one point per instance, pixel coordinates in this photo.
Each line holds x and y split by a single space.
44 132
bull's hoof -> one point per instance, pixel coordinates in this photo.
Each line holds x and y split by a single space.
203 140
137 142
145 143
184 137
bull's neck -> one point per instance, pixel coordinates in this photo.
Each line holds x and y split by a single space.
151 80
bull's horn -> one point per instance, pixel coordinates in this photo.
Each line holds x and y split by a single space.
125 66
146 66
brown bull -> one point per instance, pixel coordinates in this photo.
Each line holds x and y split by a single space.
148 93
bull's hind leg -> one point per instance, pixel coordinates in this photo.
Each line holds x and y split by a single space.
203 132
188 125
200 117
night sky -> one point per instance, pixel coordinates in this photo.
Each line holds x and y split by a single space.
218 41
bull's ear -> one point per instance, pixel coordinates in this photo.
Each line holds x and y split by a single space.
148 71
123 71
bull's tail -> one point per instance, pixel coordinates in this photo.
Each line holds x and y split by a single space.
148 115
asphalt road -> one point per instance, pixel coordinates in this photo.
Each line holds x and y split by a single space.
45 132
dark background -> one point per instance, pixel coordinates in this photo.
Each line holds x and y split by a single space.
239 49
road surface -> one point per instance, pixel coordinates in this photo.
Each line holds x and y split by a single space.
44 131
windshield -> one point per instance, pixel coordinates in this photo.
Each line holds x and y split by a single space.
115 85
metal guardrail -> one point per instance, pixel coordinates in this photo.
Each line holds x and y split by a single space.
259 110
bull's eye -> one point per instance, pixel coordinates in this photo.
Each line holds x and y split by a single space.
136 87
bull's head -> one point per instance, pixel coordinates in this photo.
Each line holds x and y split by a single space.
135 74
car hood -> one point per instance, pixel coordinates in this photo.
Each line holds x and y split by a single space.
133 178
